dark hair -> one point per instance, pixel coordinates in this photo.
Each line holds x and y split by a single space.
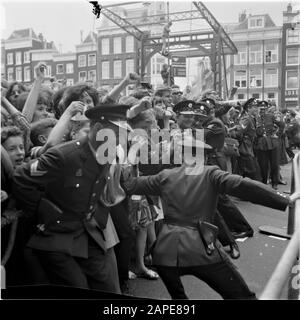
11 86
141 117
39 127
56 100
74 93
45 97
10 131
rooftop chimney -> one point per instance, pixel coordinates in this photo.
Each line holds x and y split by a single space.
242 16
81 36
289 8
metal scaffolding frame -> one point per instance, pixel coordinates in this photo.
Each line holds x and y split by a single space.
213 42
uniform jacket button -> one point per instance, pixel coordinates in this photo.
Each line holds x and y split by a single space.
77 185
88 216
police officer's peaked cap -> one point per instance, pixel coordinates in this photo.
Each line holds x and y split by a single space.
114 113
250 102
201 108
263 103
184 107
210 102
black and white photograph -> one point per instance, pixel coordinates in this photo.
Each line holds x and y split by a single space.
150 151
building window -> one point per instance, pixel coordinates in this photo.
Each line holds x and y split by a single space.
241 57
117 45
158 68
293 36
256 23
271 77
105 70
153 67
59 68
292 80
18 58
82 61
129 44
105 46
92 75
70 68
271 95
292 56
10 74
271 53
70 82
241 96
19 74
26 57
10 58
48 72
255 78
27 74
82 76
92 59
256 95
117 69
129 66
255 54
240 78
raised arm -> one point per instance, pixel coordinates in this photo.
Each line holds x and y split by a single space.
63 126
32 98
114 93
19 120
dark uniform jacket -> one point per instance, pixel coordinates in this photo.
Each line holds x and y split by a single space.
189 198
214 131
214 135
70 177
266 132
246 134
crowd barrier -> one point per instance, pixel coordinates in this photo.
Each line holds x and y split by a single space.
287 271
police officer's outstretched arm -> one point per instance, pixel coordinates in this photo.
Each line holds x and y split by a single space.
148 185
247 189
30 179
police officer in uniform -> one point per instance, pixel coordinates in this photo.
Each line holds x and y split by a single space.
228 215
187 242
246 134
267 144
184 114
67 189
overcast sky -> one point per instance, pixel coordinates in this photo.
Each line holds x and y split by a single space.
62 21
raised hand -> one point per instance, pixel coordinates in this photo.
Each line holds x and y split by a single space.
132 78
39 70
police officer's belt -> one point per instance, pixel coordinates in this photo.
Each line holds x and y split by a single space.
176 222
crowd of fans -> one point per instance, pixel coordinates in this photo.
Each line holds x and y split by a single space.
251 138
